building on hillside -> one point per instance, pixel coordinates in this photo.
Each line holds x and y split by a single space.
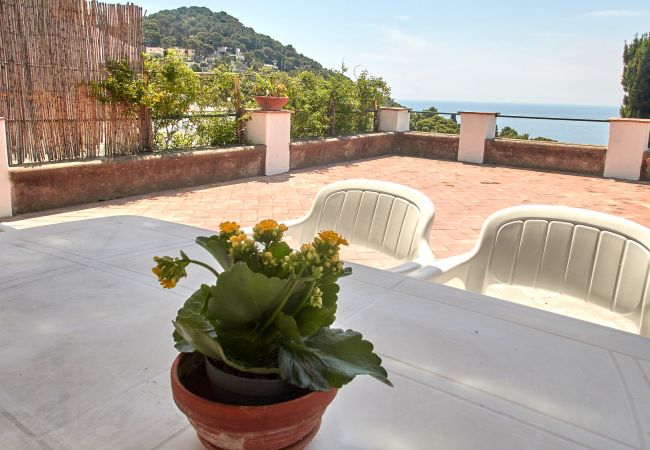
187 53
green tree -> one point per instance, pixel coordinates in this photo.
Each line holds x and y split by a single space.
511 133
430 121
309 95
323 104
343 103
228 92
438 124
168 41
372 93
170 91
636 78
122 85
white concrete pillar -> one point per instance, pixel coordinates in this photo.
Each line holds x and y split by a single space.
628 140
273 129
475 128
394 119
5 182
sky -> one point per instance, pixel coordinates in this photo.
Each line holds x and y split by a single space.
526 51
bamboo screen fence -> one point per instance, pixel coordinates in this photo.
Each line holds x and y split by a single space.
49 51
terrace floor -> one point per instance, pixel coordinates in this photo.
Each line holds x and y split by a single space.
463 194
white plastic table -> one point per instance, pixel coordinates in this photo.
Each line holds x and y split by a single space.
86 347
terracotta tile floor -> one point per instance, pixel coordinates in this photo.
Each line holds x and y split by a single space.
463 194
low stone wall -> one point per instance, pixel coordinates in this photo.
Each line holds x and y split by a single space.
317 152
645 166
428 145
48 186
573 158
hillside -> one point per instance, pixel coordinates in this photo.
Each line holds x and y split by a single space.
215 36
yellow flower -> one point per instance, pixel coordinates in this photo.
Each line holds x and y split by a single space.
169 270
270 224
238 238
168 283
229 227
332 237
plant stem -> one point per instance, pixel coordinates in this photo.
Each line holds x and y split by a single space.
304 299
291 285
204 265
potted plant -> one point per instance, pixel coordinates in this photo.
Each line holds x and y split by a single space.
270 92
259 361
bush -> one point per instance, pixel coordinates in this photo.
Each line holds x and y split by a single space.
331 104
217 131
511 133
429 120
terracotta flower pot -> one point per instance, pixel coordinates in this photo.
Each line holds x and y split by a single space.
271 103
290 424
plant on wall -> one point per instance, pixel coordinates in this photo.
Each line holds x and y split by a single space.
170 91
331 104
122 85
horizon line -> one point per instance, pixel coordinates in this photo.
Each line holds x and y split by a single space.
507 103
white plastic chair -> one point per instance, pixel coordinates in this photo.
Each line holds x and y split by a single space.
392 219
595 257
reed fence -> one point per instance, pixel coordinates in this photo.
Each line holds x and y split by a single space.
50 50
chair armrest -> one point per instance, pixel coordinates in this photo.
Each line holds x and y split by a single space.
446 269
406 268
424 257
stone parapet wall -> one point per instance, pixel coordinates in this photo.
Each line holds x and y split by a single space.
317 152
428 145
49 186
555 156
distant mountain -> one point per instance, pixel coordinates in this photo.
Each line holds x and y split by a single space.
208 32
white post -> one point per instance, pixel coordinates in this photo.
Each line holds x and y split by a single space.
475 128
273 129
5 182
394 119
628 140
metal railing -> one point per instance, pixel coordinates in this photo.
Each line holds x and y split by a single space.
569 119
525 129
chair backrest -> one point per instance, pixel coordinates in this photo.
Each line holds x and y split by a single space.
593 256
387 217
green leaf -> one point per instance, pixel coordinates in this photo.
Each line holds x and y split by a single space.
194 329
218 248
286 325
251 351
181 344
194 332
242 296
329 359
311 319
279 249
330 296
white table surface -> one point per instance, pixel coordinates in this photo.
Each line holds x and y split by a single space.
86 349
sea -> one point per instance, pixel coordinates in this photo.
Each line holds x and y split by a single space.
593 133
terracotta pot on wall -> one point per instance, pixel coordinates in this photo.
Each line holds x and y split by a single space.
271 103
289 424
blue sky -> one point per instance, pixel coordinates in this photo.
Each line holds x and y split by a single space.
553 51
